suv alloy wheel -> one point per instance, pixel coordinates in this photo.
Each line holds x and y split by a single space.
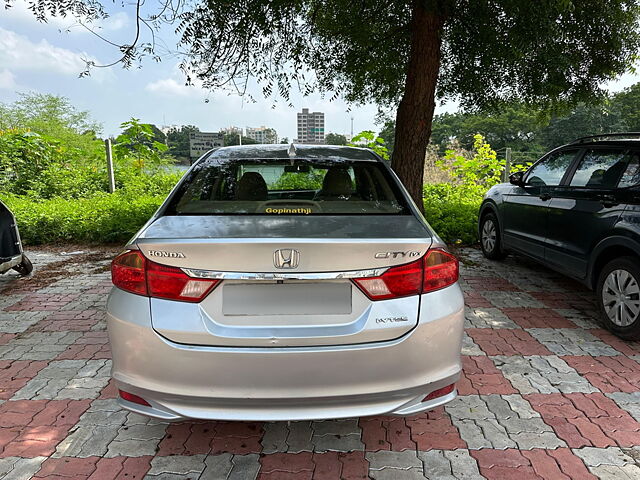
618 294
490 240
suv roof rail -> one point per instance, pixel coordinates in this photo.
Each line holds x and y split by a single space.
605 136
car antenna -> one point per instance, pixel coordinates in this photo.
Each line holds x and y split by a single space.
292 152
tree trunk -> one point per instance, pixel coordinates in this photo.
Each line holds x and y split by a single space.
415 112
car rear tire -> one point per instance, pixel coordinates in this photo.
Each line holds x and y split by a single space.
490 240
618 292
25 267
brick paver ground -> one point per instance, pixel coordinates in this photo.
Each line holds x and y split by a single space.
545 394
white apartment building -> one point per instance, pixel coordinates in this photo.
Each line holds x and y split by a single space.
310 127
262 134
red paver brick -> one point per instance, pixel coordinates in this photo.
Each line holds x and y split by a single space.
559 464
121 468
565 300
506 342
504 464
31 428
480 376
110 391
69 320
286 463
386 433
327 466
570 464
177 435
6 338
15 374
434 430
486 284
624 347
39 302
67 468
35 442
354 466
91 345
476 300
590 419
537 318
608 374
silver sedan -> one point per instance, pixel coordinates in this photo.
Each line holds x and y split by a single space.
286 283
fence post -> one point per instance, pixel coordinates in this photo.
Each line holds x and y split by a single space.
112 180
507 164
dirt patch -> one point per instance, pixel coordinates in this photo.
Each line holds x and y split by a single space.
95 260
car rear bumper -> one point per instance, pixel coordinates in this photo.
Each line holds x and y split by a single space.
301 383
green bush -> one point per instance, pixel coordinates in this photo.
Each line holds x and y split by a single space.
102 218
452 211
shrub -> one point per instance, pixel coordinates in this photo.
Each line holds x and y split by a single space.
102 218
452 211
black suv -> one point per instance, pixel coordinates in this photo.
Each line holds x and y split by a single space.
577 210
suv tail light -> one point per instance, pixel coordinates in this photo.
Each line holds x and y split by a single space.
436 270
132 272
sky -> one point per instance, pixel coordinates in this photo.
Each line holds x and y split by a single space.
48 57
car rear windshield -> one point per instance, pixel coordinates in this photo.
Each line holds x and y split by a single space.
288 187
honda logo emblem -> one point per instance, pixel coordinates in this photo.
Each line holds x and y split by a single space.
286 258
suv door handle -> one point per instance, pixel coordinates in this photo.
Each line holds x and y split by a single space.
609 201
545 196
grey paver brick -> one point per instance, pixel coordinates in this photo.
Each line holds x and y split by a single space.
516 299
299 437
628 401
542 374
16 468
572 341
449 465
245 467
137 437
469 347
487 318
489 421
610 463
38 345
385 459
67 379
217 467
336 435
17 321
275 437
581 319
95 430
176 465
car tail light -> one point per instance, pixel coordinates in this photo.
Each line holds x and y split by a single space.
441 392
130 397
128 272
396 282
441 269
172 283
132 272
436 270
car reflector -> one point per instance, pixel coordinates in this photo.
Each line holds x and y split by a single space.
441 392
130 397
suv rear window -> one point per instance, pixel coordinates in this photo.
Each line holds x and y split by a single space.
288 187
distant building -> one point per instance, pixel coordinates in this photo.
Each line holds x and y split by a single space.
310 127
262 134
231 131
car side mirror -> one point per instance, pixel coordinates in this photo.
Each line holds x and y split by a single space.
517 179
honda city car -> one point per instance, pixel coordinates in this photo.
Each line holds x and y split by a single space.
285 283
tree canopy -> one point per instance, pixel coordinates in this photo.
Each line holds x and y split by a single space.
396 53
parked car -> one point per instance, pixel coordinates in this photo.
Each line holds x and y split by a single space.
286 283
12 255
577 210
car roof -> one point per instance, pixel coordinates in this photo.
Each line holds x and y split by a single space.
282 151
